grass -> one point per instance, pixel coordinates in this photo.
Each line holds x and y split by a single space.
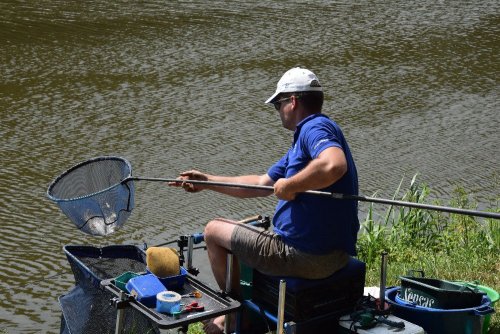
196 328
443 246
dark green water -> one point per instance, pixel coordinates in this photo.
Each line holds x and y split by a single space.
181 84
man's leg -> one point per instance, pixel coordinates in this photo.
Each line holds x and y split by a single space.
218 240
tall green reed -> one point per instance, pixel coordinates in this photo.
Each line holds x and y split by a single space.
411 234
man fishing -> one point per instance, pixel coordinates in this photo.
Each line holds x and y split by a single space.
313 236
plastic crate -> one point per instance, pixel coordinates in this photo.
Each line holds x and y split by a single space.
436 293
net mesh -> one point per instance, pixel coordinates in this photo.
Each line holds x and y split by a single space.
93 195
86 308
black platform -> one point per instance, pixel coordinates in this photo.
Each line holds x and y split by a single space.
215 304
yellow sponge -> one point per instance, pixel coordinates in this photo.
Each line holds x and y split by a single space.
163 261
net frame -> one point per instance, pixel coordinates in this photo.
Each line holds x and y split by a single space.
97 195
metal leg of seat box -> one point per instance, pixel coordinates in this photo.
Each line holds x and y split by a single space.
229 278
278 319
281 307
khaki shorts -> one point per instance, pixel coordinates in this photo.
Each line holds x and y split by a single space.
265 251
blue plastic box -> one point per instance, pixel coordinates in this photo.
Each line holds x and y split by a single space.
145 288
173 282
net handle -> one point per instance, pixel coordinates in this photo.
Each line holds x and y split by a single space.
361 198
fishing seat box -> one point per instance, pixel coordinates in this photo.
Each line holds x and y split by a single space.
306 299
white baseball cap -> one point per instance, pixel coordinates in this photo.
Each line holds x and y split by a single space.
296 80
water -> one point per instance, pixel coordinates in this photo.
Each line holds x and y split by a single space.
180 85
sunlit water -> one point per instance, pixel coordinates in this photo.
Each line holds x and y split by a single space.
179 85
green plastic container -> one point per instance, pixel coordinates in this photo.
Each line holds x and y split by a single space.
492 295
122 280
440 294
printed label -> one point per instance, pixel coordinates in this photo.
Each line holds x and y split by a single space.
416 298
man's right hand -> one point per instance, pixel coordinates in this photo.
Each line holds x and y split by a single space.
282 190
184 177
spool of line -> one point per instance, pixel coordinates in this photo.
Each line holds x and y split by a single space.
168 302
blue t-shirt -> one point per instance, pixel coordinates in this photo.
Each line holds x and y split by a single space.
313 223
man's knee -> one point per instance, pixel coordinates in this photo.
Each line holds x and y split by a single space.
219 232
210 230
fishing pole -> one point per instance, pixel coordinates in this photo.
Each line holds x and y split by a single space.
338 196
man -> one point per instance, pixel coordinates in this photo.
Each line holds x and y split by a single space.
313 236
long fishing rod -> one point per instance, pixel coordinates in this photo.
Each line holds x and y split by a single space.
338 196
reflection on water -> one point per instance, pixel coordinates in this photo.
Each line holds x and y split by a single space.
172 86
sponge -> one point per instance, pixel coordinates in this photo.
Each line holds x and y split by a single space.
162 261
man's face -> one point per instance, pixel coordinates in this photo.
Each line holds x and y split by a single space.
284 105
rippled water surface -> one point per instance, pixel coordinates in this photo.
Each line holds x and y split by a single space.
181 84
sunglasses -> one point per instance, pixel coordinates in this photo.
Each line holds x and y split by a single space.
277 104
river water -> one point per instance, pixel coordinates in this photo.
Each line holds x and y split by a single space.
178 85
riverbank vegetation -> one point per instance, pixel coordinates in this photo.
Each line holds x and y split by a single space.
443 246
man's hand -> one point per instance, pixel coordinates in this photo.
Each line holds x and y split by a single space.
319 173
283 191
190 175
